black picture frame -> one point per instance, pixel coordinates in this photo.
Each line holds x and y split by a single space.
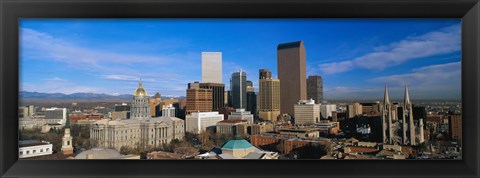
12 10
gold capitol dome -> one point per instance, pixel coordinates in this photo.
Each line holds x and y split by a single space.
140 91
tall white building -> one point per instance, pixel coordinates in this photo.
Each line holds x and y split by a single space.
327 109
241 114
197 122
211 67
168 111
56 116
307 112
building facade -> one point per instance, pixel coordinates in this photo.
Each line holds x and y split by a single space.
238 90
327 109
56 116
218 94
32 148
241 114
315 88
211 67
140 108
307 112
291 67
199 100
268 96
197 122
232 127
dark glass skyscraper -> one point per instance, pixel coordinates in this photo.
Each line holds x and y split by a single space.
315 88
238 90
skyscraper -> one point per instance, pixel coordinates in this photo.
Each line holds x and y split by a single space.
238 89
218 94
268 97
264 73
315 88
291 65
211 67
199 100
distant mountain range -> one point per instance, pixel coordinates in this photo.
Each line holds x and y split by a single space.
76 96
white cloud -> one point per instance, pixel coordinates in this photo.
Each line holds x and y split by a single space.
443 41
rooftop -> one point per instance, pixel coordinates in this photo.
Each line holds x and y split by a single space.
27 143
237 145
289 45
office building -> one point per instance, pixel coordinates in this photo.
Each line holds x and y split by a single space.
307 112
291 67
268 96
232 127
327 109
238 89
241 114
197 122
315 88
455 127
121 111
218 94
211 67
264 74
353 110
252 103
56 116
169 111
199 100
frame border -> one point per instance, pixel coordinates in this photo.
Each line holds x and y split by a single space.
12 10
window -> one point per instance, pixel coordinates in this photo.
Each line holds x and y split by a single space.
41 150
68 142
21 153
48 149
34 151
28 152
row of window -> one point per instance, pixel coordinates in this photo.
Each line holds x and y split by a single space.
34 151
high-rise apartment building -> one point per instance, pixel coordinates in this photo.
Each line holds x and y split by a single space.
211 67
199 100
268 96
291 67
238 89
315 88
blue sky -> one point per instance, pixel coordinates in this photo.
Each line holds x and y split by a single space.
355 57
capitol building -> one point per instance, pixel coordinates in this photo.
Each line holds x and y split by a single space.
140 130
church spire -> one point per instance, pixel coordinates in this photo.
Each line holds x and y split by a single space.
407 98
385 96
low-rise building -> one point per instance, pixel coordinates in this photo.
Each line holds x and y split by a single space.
307 112
241 114
33 148
304 132
232 127
197 122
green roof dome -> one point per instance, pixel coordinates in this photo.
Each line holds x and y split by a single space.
237 145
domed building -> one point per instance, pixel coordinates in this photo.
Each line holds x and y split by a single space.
140 130
104 153
140 106
238 148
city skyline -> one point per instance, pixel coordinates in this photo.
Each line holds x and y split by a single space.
354 57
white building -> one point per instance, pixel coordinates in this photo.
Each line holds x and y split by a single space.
56 116
168 111
211 67
327 109
307 112
32 148
200 121
241 114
